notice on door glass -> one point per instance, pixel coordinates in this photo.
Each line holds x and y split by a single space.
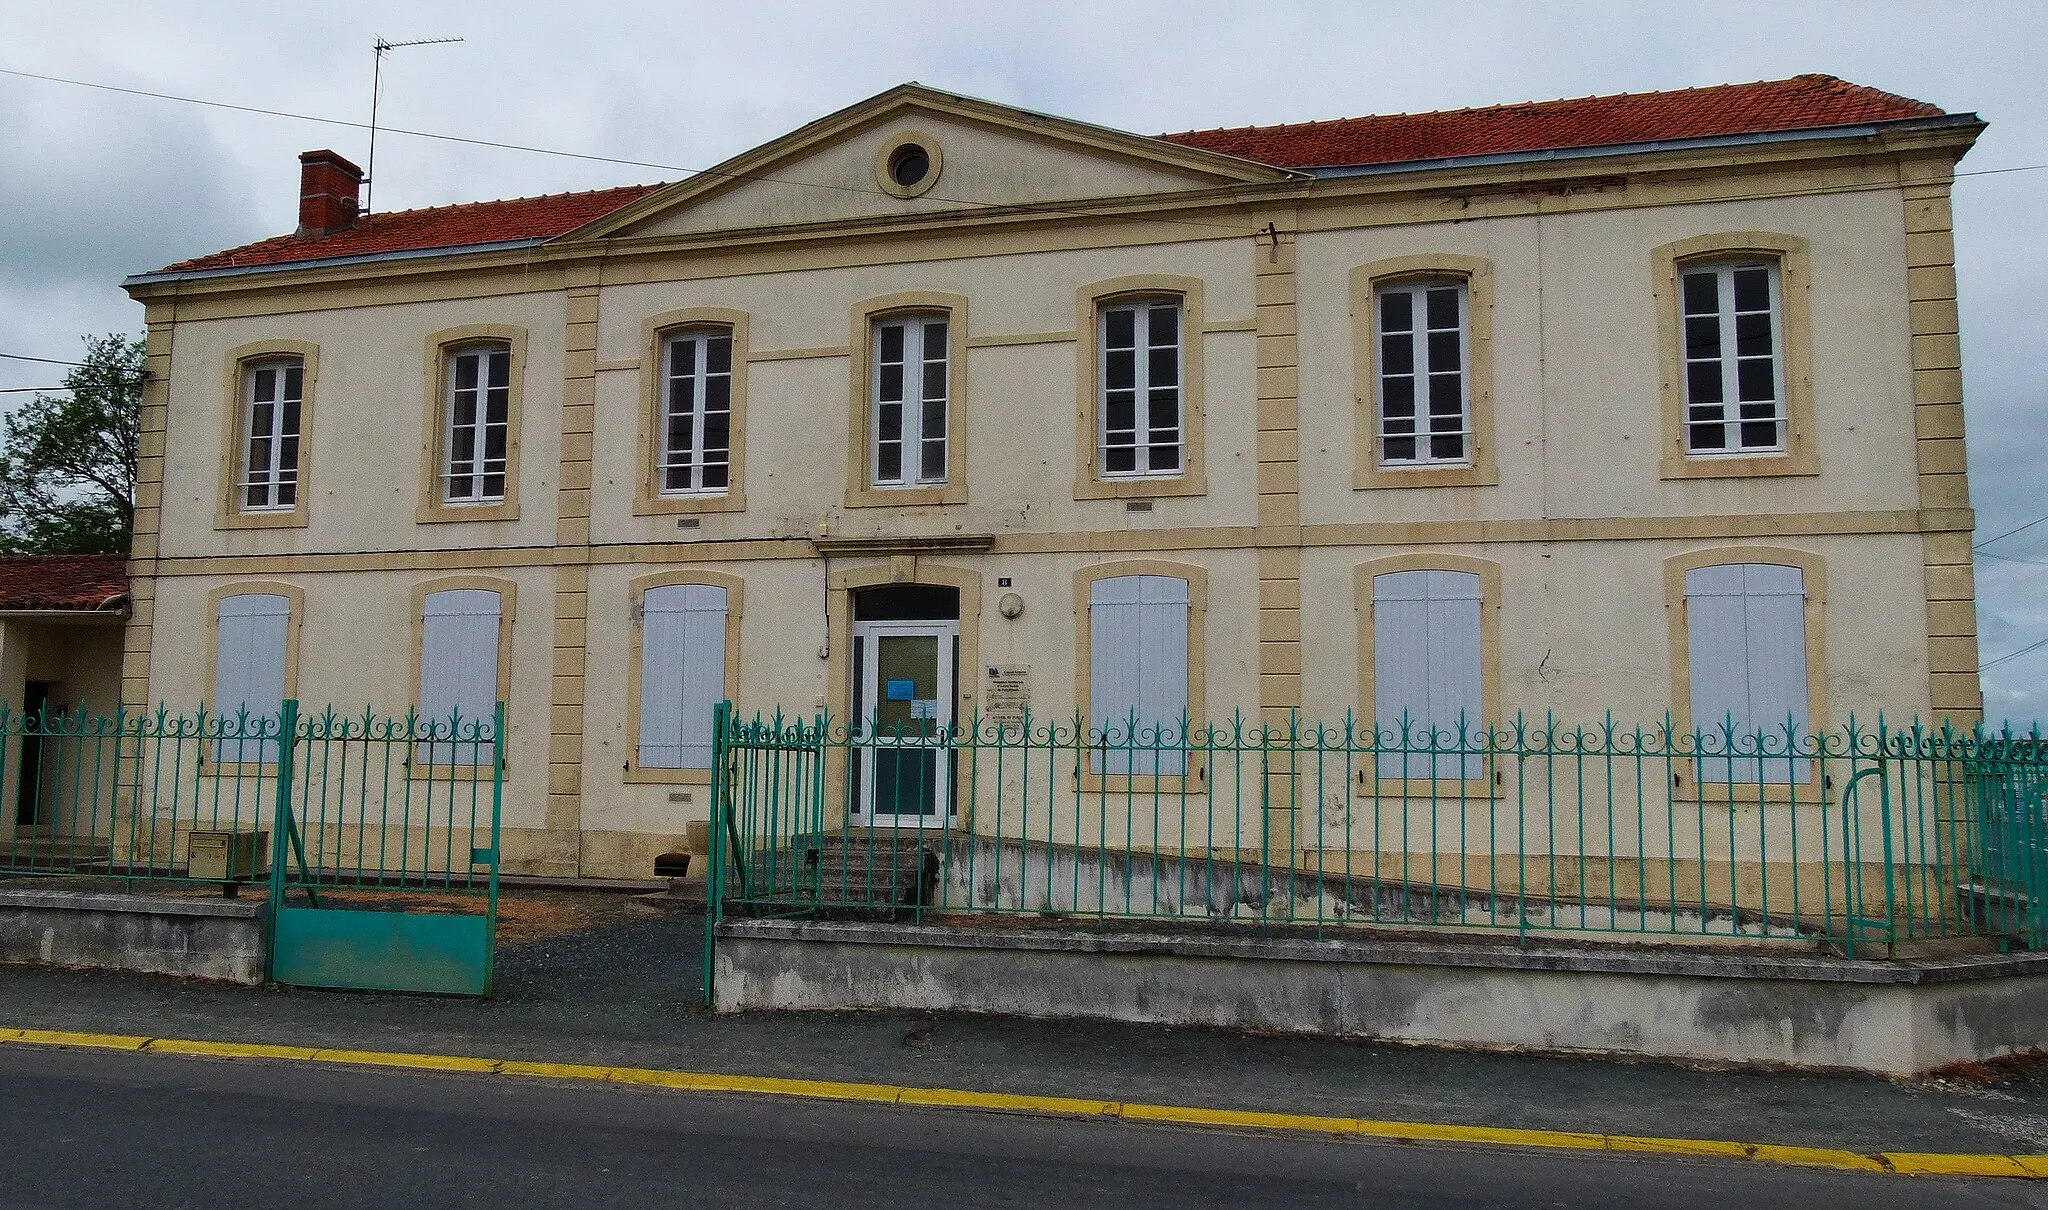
1007 694
902 691
924 707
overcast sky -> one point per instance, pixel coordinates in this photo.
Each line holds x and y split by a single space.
96 185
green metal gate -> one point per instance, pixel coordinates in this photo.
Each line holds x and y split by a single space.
385 848
2010 891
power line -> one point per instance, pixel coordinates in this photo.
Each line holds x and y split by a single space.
48 361
2009 533
2012 655
2011 558
1045 208
25 390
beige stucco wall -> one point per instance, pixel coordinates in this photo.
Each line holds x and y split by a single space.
368 423
1584 627
1018 400
359 649
1576 364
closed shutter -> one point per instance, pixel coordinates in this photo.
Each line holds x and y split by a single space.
1426 668
1746 654
682 673
459 670
248 673
1138 671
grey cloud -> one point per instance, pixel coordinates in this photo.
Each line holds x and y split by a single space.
95 188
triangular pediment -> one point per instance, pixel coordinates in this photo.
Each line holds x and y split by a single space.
984 157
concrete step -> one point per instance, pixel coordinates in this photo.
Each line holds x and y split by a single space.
45 851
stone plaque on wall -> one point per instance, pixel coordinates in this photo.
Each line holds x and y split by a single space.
1007 693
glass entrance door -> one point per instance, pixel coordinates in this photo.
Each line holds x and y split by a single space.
903 694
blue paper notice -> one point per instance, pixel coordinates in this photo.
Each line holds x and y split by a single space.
902 691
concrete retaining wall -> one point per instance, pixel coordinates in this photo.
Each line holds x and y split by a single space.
1897 1018
201 938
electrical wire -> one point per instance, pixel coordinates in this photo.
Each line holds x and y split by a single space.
2009 533
48 361
2012 655
2012 558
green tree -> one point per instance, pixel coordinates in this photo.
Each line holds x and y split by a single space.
67 461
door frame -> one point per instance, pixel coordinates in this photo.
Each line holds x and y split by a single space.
863 695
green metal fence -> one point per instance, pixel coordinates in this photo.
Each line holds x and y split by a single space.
302 805
355 800
1862 836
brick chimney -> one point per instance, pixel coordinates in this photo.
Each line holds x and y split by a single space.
329 192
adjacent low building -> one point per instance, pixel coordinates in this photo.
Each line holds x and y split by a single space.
937 408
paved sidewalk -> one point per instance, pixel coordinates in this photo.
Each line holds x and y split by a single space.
628 992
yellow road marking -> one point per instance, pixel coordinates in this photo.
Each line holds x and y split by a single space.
1908 1163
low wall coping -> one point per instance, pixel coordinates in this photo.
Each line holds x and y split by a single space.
149 905
1744 964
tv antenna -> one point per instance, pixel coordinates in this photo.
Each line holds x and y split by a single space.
380 46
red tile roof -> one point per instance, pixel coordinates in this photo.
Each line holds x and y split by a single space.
81 582
1801 103
469 224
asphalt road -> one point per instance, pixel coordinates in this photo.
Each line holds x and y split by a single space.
87 1129
627 993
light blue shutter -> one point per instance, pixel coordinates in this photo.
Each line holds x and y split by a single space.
682 673
1426 667
1746 653
1138 668
459 669
248 671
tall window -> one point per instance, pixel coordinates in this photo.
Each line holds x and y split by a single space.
1426 669
1140 376
696 444
911 389
272 395
1746 647
250 645
1138 672
1734 381
459 672
479 411
682 673
1425 406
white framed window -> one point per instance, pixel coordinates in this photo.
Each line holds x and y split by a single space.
1732 326
459 671
696 442
251 635
912 385
1427 671
1141 417
682 673
1424 399
1746 652
479 415
273 393
1138 673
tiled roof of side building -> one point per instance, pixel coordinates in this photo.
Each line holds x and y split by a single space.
1811 102
1807 102
463 226
82 583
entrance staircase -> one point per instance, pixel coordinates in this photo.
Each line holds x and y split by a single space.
879 871
40 850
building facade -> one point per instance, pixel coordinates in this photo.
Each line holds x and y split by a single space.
935 407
